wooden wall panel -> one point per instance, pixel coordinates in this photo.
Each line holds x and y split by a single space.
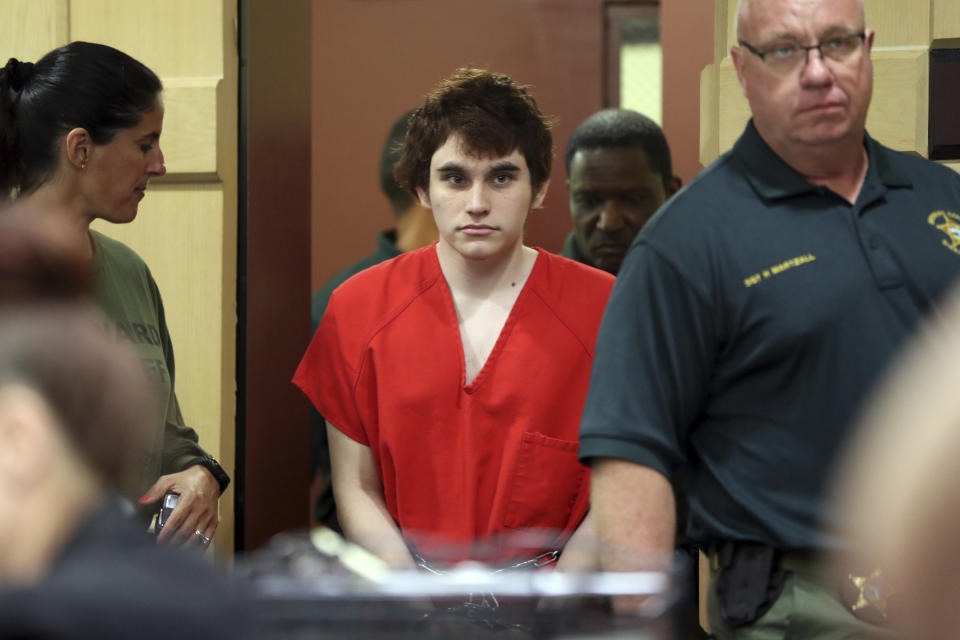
945 21
898 111
189 141
898 23
724 35
30 28
721 39
175 38
726 9
227 127
733 109
709 115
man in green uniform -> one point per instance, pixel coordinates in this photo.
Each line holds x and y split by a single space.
619 173
751 319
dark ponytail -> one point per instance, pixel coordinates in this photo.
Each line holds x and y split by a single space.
13 77
82 84
18 73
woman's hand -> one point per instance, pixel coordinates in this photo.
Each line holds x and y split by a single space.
196 510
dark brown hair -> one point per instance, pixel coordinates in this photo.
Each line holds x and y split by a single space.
493 114
38 263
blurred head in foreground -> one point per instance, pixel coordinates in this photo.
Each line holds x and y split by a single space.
901 482
38 263
71 402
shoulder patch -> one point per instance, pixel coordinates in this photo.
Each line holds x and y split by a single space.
949 223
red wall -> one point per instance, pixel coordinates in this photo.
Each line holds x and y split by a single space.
686 35
273 307
374 59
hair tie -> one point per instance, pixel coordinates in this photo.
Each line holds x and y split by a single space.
18 73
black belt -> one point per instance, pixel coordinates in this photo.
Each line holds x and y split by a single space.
805 561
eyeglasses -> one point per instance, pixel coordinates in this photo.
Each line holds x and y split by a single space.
786 57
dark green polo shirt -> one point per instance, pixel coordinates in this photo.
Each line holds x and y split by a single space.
386 249
748 322
325 509
572 251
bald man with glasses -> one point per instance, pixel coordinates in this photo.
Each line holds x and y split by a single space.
751 319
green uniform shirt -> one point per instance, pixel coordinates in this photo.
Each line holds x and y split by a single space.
750 319
386 249
130 299
572 251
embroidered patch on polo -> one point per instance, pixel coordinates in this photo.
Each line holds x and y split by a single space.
949 223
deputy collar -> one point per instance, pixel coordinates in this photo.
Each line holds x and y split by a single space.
773 179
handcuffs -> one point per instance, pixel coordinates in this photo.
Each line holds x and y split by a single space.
482 607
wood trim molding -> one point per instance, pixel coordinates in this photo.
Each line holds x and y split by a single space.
189 142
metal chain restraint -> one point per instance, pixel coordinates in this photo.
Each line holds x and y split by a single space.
487 601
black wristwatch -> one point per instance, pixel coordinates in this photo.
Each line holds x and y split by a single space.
210 463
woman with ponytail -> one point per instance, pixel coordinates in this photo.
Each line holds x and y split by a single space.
79 141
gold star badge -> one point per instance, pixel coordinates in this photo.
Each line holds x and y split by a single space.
872 594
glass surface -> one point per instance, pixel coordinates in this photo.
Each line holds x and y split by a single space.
313 584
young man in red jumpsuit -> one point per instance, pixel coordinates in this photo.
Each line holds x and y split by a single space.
453 377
